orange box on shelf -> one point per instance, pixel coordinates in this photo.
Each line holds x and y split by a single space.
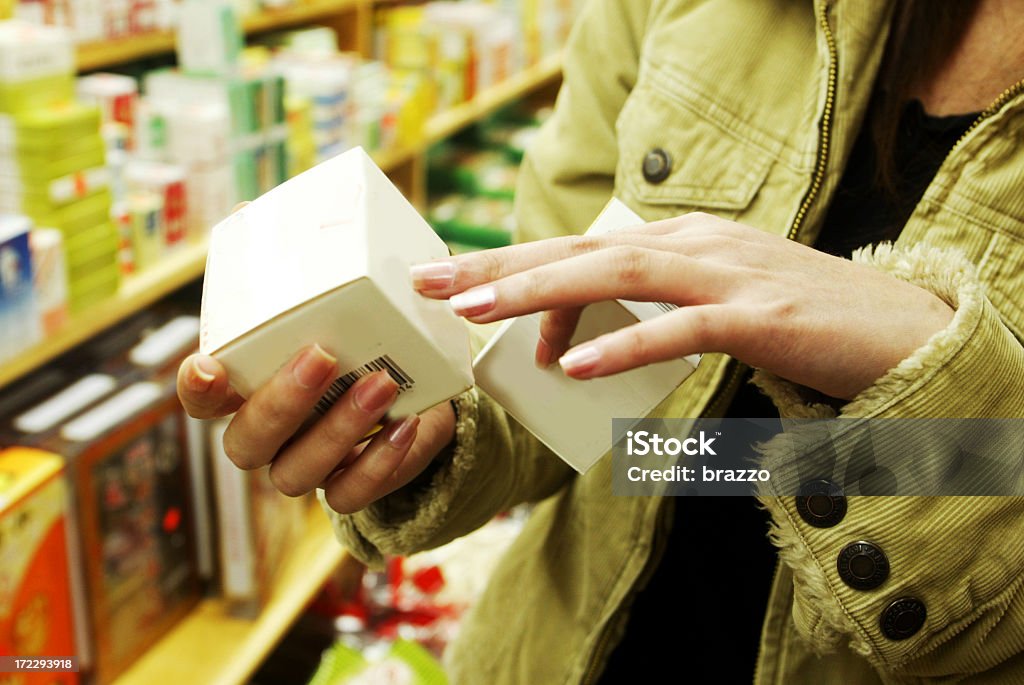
36 618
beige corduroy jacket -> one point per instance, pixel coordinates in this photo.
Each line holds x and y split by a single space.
757 104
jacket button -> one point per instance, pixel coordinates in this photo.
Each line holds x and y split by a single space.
657 165
903 617
821 503
863 566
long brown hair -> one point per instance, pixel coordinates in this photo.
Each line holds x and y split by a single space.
924 33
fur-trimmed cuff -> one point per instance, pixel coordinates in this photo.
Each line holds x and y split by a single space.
945 273
407 520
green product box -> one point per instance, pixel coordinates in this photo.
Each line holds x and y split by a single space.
247 180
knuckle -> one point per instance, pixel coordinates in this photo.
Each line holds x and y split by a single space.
582 244
236 451
283 482
637 345
632 265
337 497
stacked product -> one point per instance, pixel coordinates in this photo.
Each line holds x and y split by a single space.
461 48
223 124
55 173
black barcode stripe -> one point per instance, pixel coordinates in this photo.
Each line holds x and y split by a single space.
346 381
665 306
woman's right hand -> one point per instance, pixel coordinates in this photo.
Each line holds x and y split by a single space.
329 454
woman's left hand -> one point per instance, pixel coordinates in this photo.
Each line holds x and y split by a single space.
809 317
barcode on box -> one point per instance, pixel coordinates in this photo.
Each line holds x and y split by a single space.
665 306
343 383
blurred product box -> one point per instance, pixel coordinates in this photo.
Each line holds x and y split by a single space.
36 615
37 66
50 279
19 317
325 258
256 528
209 37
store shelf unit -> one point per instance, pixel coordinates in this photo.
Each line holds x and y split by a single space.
213 648
108 53
404 165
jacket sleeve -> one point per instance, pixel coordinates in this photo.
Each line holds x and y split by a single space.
959 557
566 178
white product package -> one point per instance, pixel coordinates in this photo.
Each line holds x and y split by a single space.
324 258
574 417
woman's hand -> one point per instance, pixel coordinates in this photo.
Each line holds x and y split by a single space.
809 317
330 453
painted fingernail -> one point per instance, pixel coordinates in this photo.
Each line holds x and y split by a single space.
313 367
202 375
433 275
375 393
474 302
580 360
543 356
401 433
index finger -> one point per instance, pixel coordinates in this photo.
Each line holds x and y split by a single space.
442 278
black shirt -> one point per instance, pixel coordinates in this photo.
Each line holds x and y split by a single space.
713 582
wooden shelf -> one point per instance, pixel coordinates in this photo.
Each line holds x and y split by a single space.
444 124
212 648
106 53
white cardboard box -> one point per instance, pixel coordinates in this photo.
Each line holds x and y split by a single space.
573 417
324 258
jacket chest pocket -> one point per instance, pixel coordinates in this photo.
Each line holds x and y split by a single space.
681 152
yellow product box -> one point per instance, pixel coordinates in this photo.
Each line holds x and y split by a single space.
324 258
78 216
55 128
94 288
98 251
574 417
36 169
37 66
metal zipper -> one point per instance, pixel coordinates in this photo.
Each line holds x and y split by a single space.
825 138
989 111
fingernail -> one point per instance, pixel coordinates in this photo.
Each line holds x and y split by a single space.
202 376
433 275
580 360
376 393
542 357
474 302
313 367
401 434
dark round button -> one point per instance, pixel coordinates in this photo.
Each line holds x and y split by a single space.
657 165
821 503
903 617
862 565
